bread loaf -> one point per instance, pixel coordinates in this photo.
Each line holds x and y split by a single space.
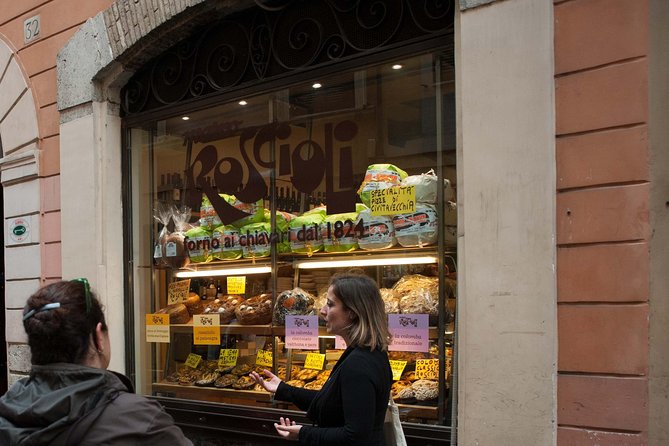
178 313
256 310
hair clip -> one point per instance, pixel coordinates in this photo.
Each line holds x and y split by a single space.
87 290
51 306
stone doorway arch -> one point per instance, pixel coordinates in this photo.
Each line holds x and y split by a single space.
19 175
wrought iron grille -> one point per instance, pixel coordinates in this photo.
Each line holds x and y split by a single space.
279 37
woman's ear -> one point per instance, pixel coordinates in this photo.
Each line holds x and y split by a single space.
98 338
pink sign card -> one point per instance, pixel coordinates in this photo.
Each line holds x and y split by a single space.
302 332
340 344
410 332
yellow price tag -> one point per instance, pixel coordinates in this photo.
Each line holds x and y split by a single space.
236 284
157 319
264 358
314 361
427 369
393 200
177 292
397 367
228 357
193 360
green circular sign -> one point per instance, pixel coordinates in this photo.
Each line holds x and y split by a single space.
19 230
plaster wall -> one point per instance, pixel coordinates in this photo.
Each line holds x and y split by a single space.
658 374
507 309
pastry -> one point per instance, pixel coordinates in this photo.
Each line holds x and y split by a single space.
207 379
390 301
194 304
256 310
398 386
307 374
241 369
409 376
224 307
178 313
425 389
244 383
225 381
323 375
314 385
295 383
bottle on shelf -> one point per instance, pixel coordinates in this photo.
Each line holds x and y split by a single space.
211 290
219 290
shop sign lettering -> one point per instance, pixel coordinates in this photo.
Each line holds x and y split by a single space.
306 173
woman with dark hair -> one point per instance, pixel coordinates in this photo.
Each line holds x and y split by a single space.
351 406
70 398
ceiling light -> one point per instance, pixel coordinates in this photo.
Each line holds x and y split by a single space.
397 67
243 102
310 264
317 85
185 118
225 272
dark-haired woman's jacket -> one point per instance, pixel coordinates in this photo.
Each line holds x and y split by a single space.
66 404
351 406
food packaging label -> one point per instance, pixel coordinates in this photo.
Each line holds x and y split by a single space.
206 329
157 252
306 238
171 249
423 220
378 231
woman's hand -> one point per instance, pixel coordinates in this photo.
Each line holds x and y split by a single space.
288 429
270 382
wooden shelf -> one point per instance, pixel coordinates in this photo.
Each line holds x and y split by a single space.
211 393
260 330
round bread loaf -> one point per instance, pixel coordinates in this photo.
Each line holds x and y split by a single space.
256 310
178 313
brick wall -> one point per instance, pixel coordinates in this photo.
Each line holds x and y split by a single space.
603 230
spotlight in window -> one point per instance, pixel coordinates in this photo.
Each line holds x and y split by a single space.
185 118
316 85
397 67
243 102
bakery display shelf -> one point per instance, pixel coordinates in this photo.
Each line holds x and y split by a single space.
390 252
418 411
210 393
259 330
322 332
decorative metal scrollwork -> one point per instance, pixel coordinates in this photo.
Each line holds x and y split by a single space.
279 36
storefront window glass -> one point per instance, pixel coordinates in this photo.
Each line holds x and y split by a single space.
240 214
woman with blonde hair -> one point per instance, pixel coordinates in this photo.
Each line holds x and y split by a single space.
351 406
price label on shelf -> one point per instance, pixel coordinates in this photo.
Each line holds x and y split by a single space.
264 358
228 357
236 284
393 200
397 367
193 360
206 330
314 361
157 328
177 292
427 369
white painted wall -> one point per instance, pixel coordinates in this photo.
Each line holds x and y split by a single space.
90 162
507 305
